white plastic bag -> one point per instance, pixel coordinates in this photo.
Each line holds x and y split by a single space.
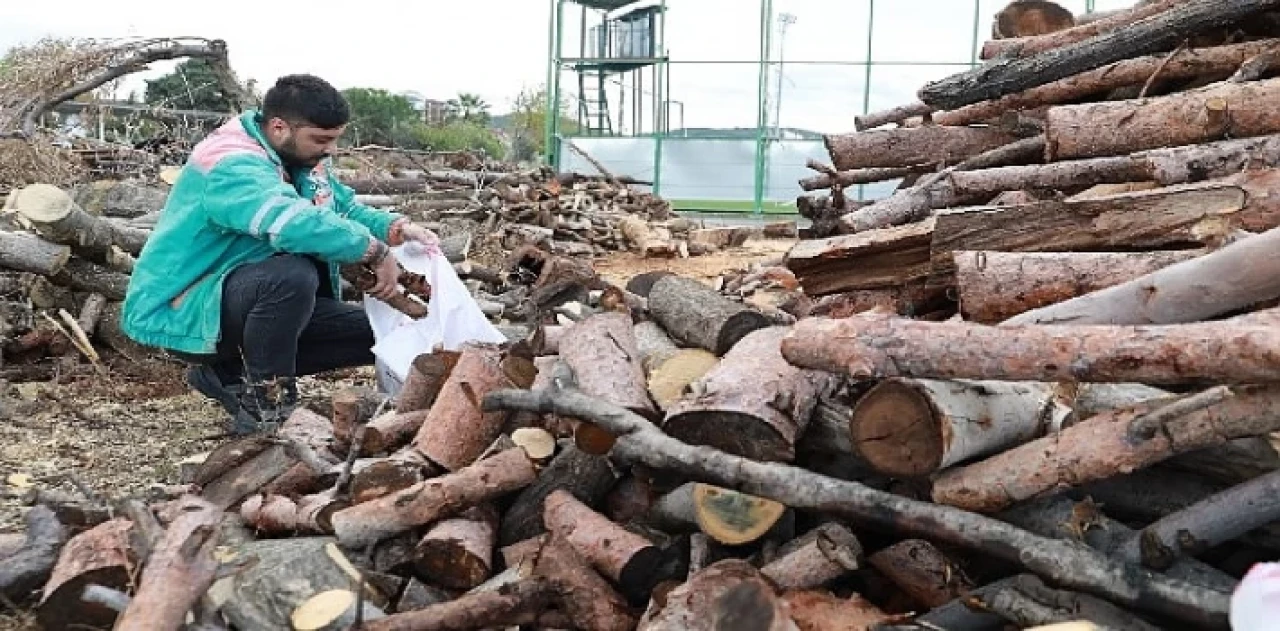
453 318
1255 604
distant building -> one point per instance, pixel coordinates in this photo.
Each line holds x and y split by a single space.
433 111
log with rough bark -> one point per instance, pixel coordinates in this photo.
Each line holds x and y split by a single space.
457 553
889 257
689 607
823 611
603 357
1029 18
753 403
1109 128
101 555
519 603
873 345
1189 291
697 315
352 407
27 567
58 218
1068 565
898 114
995 286
456 432
1024 46
401 470
391 430
28 253
178 572
1104 446
585 596
1027 601
854 177
912 147
918 568
725 515
1007 75
82 275
433 499
587 477
915 427
816 558
629 560
1213 63
751 605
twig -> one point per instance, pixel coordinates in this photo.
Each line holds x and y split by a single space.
1145 427
1152 79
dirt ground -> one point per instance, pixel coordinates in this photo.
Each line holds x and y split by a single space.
122 431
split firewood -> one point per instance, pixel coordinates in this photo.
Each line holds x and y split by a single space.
584 476
332 610
1029 18
871 345
725 515
178 571
1024 46
57 217
457 553
640 442
455 431
822 611
586 597
995 286
82 275
927 575
26 567
432 499
426 378
753 403
889 257
820 556
521 602
1104 446
603 356
912 147
1007 76
697 315
28 253
98 556
692 605
627 559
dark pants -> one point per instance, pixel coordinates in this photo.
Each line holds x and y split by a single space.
280 319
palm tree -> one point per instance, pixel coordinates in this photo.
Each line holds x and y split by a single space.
469 108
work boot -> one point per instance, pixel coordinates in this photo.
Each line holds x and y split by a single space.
264 406
204 378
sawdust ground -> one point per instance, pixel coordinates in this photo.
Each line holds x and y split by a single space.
125 430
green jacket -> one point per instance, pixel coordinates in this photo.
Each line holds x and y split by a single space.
232 205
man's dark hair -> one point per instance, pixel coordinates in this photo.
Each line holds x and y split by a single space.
306 99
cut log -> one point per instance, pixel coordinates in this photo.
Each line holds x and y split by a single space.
585 476
915 298
457 553
855 177
98 556
642 284
820 556
392 430
1184 292
1007 76
1027 602
331 610
628 559
27 253
1070 565
383 477
698 316
1025 46
1102 447
178 572
519 603
603 357
870 345
753 403
57 218
670 380
427 376
353 406
729 517
751 606
893 115
890 257
27 567
644 240
922 571
821 611
915 427
82 275
912 147
1029 18
689 606
276 514
995 286
455 432
1109 128
433 499
585 596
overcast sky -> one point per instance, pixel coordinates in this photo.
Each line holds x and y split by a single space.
494 47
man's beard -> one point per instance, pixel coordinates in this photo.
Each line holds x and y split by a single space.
288 153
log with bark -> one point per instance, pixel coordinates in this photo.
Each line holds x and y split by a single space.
875 259
1029 18
918 568
912 147
57 217
816 558
725 515
457 553
691 606
604 359
102 556
585 596
28 253
519 603
1026 601
697 315
629 560
455 431
179 570
584 476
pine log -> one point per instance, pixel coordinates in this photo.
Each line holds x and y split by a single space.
995 286
1007 76
816 558
27 567
1212 521
853 177
890 257
457 553
427 375
629 499
912 147
751 606
58 218
698 316
871 345
725 515
915 427
28 253
1025 46
627 559
753 403
98 556
1029 18
433 499
642 284
893 115
653 344
689 606
587 598
353 406
178 572
1101 447
1183 292
1027 602
382 477
1109 128
822 611
585 476
392 430
1146 495
516 604
1068 565
918 568
603 357
1235 462
455 432
915 298
246 477
670 380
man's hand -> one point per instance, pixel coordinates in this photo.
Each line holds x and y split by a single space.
388 273
413 232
